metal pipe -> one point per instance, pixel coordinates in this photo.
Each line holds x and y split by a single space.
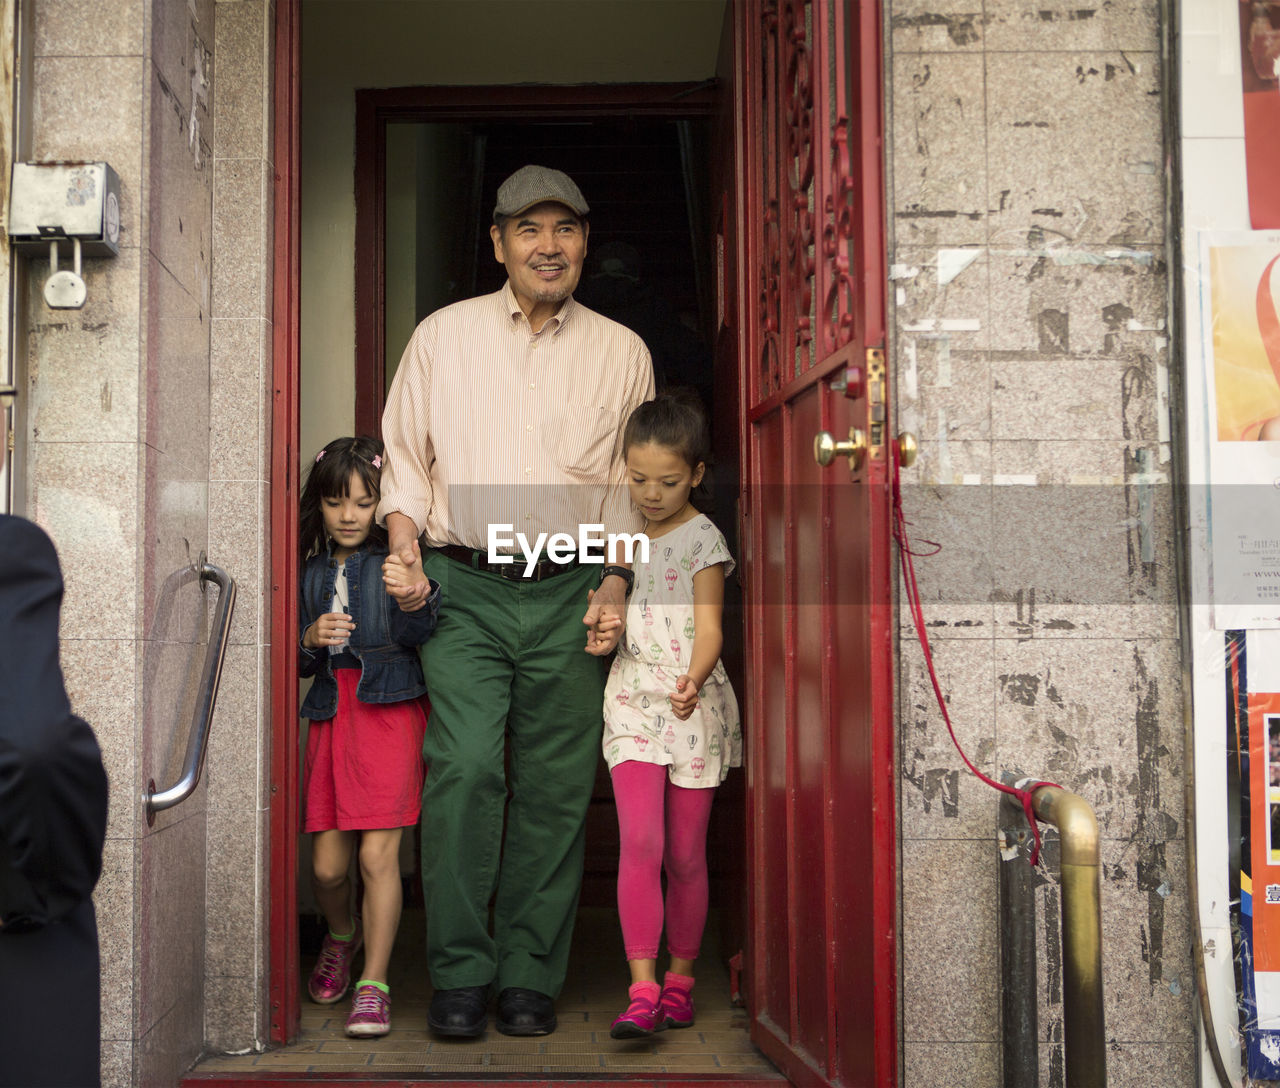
1019 1013
1085 1035
198 739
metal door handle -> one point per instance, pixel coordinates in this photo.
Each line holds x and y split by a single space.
155 800
826 449
908 449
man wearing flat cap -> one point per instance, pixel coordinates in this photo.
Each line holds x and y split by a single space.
505 416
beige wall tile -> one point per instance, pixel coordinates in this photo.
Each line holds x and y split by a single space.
946 499
242 39
1139 1065
1102 717
169 920
86 497
939 150
1020 26
1146 942
230 1020
240 236
1055 300
101 679
1074 147
177 401
942 291
940 798
965 1063
83 364
237 542
117 1064
180 194
237 394
950 959
917 26
235 741
234 944
166 1051
88 28
181 46
113 900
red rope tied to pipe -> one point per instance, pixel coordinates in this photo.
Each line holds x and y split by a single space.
905 551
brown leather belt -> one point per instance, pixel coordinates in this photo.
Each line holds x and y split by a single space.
513 571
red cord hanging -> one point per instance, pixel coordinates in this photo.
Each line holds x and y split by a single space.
917 617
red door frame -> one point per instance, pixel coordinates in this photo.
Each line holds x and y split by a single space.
286 340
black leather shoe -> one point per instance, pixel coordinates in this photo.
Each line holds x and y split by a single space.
525 1012
462 1011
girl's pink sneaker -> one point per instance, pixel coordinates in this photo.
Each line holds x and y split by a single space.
643 1016
676 1006
332 974
370 1012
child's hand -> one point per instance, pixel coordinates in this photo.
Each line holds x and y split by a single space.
331 629
405 582
685 700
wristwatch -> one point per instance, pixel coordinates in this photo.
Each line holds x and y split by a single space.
626 575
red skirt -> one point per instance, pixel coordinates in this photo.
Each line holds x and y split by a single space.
363 766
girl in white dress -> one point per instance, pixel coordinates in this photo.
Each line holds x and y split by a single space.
671 727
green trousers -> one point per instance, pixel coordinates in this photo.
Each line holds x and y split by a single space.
506 663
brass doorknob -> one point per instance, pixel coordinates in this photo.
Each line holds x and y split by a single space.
908 448
826 449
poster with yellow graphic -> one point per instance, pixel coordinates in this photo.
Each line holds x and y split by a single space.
1240 310
1245 283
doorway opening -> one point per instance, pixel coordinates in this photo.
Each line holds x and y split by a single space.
428 166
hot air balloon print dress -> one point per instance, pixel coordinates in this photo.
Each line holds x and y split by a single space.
654 651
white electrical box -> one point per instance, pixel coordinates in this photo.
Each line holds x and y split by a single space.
74 201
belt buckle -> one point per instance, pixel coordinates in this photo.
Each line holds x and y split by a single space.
514 571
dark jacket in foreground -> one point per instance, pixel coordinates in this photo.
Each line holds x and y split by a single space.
53 819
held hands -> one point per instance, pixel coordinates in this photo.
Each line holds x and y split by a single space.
605 607
685 701
404 578
331 629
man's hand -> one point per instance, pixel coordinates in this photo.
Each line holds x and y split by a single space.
685 700
402 542
406 583
402 538
606 608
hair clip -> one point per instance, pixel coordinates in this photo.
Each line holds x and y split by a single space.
377 460
319 457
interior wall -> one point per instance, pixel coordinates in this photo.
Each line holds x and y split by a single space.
350 44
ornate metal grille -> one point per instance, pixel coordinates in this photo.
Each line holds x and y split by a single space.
809 185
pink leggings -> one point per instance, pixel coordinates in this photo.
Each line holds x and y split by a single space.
660 825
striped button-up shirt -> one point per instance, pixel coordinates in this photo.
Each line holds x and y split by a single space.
488 423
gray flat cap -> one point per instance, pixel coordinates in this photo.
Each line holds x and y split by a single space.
532 185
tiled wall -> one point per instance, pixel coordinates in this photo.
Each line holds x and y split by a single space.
1026 207
239 457
148 449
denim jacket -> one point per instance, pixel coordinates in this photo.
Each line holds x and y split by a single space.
383 638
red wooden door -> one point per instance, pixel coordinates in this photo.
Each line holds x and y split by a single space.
822 973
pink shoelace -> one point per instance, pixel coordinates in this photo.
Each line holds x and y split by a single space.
370 1002
332 957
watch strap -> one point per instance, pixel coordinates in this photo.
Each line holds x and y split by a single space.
624 573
